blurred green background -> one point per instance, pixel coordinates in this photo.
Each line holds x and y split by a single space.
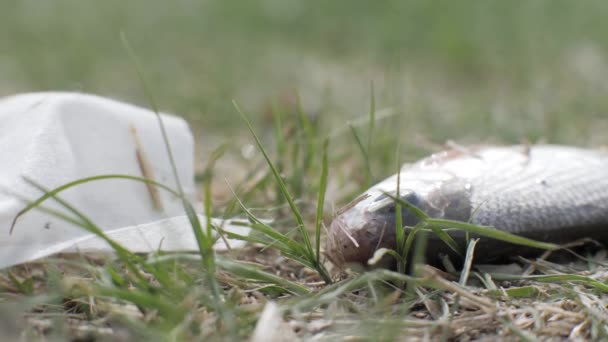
465 70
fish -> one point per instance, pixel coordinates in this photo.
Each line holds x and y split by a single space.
549 193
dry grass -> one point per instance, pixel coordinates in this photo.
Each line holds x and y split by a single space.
443 309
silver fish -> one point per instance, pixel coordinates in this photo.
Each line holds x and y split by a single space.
545 192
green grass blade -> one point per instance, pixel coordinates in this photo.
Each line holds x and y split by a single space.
321 200
25 286
250 271
152 102
166 308
57 190
421 215
281 145
491 233
438 225
447 239
205 244
282 245
264 242
280 238
367 167
130 259
556 278
399 229
125 255
332 293
309 135
372 117
518 292
297 215
294 247
309 252
410 240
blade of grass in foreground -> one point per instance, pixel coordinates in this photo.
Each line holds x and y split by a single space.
409 241
152 102
438 226
246 271
204 241
555 278
491 233
421 215
364 153
372 118
150 300
124 255
321 200
272 244
280 144
82 221
252 272
296 212
309 251
144 293
332 292
309 136
268 231
399 230
271 237
35 203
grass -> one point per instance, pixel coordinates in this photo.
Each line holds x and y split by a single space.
204 296
491 72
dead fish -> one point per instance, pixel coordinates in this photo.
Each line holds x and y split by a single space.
547 193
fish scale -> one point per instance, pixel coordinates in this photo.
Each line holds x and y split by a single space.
546 192
534 206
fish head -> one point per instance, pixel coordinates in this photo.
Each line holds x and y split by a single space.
367 224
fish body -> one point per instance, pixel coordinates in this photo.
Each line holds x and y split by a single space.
545 192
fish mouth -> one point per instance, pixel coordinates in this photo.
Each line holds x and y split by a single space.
352 243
